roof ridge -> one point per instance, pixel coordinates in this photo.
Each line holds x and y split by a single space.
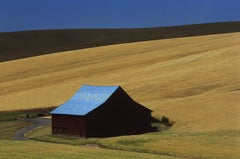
101 85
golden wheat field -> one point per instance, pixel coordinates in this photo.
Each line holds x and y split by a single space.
195 81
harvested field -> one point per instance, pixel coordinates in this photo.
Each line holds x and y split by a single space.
193 80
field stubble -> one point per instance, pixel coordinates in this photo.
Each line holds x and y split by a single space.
195 81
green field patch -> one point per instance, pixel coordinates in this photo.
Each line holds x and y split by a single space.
9 128
35 149
13 115
44 134
134 142
214 145
30 113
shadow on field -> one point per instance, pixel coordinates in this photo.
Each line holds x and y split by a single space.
16 45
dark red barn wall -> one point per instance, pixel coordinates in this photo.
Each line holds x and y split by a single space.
120 115
68 125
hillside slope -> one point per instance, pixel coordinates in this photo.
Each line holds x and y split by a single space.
18 45
193 80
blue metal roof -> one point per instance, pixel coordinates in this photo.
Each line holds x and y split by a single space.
86 99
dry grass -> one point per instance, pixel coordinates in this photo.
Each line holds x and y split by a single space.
33 149
214 145
195 80
202 145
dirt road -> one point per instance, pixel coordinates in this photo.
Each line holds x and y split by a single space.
35 123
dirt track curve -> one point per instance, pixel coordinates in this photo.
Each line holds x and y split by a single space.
35 123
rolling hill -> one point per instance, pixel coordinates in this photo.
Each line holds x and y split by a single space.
190 74
16 45
195 81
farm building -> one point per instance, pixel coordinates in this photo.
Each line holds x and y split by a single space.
101 111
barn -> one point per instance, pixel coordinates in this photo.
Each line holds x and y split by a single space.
101 111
